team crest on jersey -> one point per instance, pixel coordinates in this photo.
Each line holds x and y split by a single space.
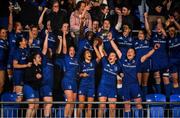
69 87
146 42
115 68
80 92
91 65
50 93
148 70
32 95
139 95
14 41
130 39
176 40
108 65
156 36
38 42
121 38
23 58
126 60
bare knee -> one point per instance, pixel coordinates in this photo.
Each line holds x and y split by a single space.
36 106
144 83
139 106
112 106
31 106
127 107
89 106
81 106
157 77
102 106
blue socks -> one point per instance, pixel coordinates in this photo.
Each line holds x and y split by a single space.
127 114
140 113
167 90
176 90
158 88
144 92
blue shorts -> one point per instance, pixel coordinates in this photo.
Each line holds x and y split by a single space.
18 76
46 91
131 91
29 92
107 91
144 67
69 85
87 91
2 66
159 63
48 76
174 67
119 92
10 60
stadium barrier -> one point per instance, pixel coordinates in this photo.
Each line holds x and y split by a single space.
150 109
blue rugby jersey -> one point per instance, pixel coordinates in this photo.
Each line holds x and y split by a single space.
70 67
129 69
142 47
125 43
174 49
3 53
162 51
51 40
82 46
12 37
88 68
109 73
21 55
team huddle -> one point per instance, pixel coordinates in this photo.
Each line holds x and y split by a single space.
122 61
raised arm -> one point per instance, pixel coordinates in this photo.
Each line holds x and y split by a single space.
147 24
30 38
114 46
119 23
59 49
96 51
64 43
45 46
150 53
10 21
40 22
89 22
101 50
175 22
163 32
